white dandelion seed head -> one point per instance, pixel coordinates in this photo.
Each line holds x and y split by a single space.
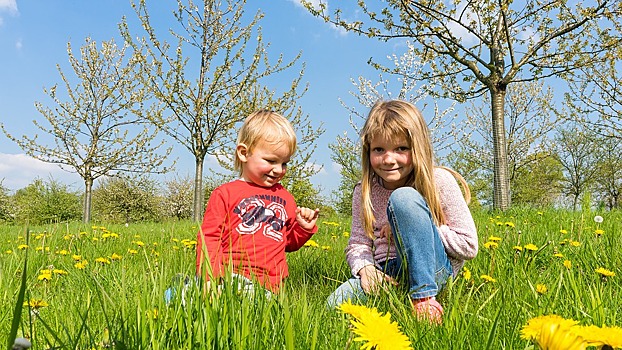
21 344
598 219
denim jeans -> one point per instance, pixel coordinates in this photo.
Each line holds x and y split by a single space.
422 261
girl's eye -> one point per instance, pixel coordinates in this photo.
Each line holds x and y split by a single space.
378 150
402 149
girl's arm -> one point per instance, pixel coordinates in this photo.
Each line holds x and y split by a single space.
459 234
359 251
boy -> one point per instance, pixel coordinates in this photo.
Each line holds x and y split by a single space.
251 222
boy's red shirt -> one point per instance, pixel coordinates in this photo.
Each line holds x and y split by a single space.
248 228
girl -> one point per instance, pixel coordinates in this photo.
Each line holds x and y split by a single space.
410 220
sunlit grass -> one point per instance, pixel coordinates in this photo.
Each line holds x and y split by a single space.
103 286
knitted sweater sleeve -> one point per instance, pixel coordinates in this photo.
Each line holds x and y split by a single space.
459 234
359 252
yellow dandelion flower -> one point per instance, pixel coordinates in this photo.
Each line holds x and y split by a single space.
553 332
509 224
605 272
531 247
115 256
356 311
102 261
517 248
62 252
541 289
60 272
540 213
494 239
346 234
563 232
45 277
466 274
38 249
326 247
330 223
488 278
9 251
567 264
499 223
36 303
311 243
139 243
601 336
76 257
575 243
599 232
376 331
95 239
83 233
558 255
491 245
80 265
132 251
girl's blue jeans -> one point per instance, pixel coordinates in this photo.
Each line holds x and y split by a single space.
421 258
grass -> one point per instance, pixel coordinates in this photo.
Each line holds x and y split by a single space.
117 299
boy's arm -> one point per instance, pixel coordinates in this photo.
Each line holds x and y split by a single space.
213 231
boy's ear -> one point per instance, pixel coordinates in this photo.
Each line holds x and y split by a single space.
242 151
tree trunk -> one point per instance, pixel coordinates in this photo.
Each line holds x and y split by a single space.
198 209
86 206
501 197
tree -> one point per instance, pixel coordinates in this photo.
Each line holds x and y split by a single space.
205 95
177 200
345 151
44 202
530 120
539 182
576 152
100 130
5 205
122 199
608 184
478 47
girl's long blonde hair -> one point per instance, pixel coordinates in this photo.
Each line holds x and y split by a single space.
391 119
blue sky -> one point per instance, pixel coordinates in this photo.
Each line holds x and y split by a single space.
34 36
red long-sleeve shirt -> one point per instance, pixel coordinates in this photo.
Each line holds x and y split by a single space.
247 229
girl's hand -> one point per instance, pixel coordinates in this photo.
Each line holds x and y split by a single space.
307 217
373 279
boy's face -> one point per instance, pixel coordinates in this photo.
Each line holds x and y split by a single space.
266 164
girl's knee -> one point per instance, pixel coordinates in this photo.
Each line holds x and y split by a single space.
405 194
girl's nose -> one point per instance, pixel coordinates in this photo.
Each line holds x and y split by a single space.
388 158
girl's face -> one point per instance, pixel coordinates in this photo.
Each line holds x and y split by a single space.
266 164
391 159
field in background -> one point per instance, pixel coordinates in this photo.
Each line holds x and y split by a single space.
103 286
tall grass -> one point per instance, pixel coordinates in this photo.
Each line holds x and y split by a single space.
118 300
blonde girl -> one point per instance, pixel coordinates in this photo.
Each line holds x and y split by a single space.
410 219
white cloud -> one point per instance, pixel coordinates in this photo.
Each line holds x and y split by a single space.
18 44
8 6
19 170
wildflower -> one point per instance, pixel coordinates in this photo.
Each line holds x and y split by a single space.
76 257
139 243
132 251
22 246
601 336
491 245
558 255
540 213
605 272
466 274
575 243
563 232
531 247
67 237
330 223
599 232
62 252
45 277
509 224
60 272
36 303
188 243
102 261
567 264
541 288
311 243
494 239
553 332
376 330
80 265
115 256
9 251
326 247
153 313
517 248
346 234
598 219
488 278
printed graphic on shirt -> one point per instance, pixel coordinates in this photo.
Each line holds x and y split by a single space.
257 216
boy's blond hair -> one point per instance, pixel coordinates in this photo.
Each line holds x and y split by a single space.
265 126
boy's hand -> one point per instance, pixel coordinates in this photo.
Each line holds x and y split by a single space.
307 217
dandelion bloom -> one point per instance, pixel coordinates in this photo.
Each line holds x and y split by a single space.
531 247
494 239
517 248
601 336
558 255
509 224
76 257
599 232
115 256
491 245
102 261
326 247
553 332
356 311
598 219
22 246
80 265
605 272
45 277
575 243
488 278
9 251
563 232
375 330
60 272
541 288
567 264
132 251
62 252
466 274
36 303
346 234
311 243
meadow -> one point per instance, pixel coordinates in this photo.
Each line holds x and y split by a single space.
102 286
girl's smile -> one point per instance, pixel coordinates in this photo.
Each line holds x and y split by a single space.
391 159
